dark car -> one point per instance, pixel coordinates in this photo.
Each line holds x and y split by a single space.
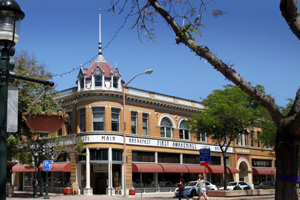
266 184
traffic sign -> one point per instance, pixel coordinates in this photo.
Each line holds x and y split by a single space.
205 164
47 165
204 155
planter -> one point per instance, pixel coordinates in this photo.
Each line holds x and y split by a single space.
67 191
234 193
42 123
9 191
131 192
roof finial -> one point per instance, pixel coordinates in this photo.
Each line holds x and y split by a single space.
100 47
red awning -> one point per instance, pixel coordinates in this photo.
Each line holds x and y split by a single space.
196 169
22 168
60 167
220 169
262 170
55 167
169 168
147 168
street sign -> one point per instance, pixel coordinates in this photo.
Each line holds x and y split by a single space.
47 165
205 164
204 155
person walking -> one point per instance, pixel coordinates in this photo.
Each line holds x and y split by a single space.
202 187
181 189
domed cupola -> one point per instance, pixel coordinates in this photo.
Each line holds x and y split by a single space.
99 75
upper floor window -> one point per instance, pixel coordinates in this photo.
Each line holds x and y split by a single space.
258 140
59 132
166 128
252 138
145 123
201 137
98 118
133 122
115 119
98 154
82 120
82 83
115 82
98 81
184 132
69 124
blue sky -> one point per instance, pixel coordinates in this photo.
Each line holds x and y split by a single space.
252 35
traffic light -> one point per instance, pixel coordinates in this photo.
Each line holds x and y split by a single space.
43 150
51 151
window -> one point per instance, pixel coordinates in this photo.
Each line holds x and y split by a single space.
168 158
190 159
252 138
115 82
98 154
134 123
258 140
245 139
166 128
141 156
69 124
82 83
145 123
82 120
117 155
115 119
201 137
184 132
98 81
59 132
98 118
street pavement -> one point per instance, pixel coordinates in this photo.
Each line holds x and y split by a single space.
167 195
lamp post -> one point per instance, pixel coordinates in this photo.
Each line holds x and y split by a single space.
35 154
149 71
10 17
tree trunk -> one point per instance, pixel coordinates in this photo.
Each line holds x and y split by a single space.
287 163
225 182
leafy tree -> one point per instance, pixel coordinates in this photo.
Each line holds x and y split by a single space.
226 116
287 127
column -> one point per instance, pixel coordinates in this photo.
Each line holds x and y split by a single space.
110 190
88 190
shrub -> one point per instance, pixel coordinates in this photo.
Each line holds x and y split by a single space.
247 188
237 188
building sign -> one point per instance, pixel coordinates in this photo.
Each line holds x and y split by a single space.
117 139
261 163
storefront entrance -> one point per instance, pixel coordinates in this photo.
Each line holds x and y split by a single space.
99 181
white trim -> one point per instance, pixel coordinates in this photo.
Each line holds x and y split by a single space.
134 110
167 116
115 106
147 112
97 105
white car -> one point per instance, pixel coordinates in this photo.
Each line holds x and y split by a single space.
191 188
231 185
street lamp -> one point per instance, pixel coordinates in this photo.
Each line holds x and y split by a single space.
35 154
149 71
10 17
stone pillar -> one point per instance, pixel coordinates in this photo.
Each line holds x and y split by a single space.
88 190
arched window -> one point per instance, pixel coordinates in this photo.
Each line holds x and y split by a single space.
98 81
166 128
184 132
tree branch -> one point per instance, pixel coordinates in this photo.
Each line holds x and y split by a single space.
266 100
290 13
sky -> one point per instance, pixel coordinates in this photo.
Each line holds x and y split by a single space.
252 35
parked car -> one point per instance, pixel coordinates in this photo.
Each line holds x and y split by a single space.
231 185
265 184
191 188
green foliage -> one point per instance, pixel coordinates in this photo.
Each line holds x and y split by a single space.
189 29
237 188
247 188
227 114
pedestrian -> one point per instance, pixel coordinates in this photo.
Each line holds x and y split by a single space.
202 187
181 188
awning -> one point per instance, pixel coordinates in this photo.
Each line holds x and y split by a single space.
55 167
22 168
264 170
220 169
60 167
147 168
169 168
196 169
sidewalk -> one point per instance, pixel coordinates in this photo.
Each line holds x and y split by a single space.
21 195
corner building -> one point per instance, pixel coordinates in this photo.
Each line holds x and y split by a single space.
159 147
